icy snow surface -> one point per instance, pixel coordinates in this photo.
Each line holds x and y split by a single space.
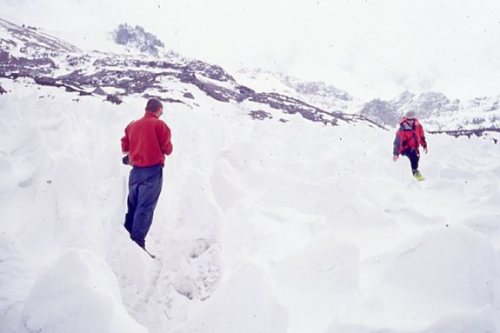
262 226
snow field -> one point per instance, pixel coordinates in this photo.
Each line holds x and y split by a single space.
262 226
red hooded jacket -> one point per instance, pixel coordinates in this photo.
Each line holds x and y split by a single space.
146 141
410 135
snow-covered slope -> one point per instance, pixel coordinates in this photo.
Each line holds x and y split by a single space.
257 229
317 93
263 226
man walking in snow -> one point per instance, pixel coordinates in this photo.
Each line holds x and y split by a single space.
409 137
146 142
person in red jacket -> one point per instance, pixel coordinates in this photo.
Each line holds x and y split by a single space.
146 142
409 137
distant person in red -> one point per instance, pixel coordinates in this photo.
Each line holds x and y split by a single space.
146 142
409 137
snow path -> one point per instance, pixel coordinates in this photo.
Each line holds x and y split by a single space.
261 226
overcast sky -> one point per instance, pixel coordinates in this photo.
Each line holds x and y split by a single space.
371 48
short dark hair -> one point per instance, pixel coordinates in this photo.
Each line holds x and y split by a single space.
153 105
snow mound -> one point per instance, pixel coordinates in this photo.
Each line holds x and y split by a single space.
244 303
87 299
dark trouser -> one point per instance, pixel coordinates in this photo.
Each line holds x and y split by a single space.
144 190
413 155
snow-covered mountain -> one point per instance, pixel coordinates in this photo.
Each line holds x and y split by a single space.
317 93
27 53
269 226
440 114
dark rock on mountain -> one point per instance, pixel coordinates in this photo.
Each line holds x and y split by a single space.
318 88
260 115
49 81
245 91
468 133
215 91
137 38
2 90
4 56
75 61
211 71
114 99
163 99
381 112
27 67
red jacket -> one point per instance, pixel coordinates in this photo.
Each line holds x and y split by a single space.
147 140
409 136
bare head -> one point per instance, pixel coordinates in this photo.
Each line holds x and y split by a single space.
154 106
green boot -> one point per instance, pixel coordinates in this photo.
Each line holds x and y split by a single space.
418 175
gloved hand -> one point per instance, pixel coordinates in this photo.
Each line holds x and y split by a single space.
125 160
425 150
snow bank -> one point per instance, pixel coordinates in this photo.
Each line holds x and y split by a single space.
451 264
444 273
86 298
460 322
244 303
316 280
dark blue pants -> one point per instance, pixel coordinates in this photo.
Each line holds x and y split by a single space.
414 156
144 187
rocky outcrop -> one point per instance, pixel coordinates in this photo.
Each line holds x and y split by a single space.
469 133
260 115
381 112
137 38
